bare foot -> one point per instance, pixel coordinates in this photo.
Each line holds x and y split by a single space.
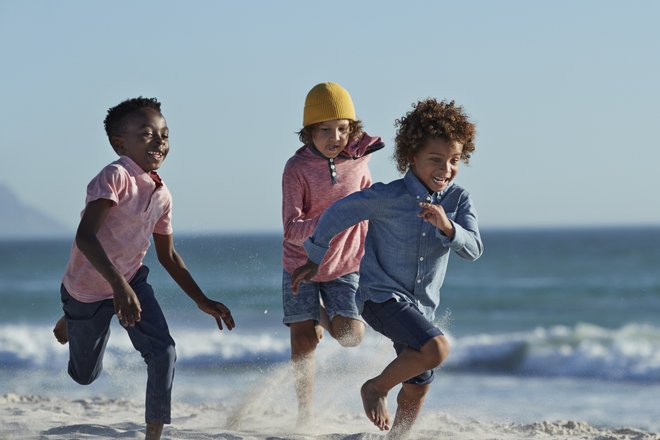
60 331
375 406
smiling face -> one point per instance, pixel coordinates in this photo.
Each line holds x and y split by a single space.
436 163
144 138
331 137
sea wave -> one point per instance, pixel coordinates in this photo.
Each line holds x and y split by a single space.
628 353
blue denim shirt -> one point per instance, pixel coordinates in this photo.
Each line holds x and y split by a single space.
405 257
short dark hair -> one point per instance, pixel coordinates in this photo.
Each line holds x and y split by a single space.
430 119
116 117
305 134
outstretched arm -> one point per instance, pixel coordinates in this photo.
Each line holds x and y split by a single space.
127 305
174 265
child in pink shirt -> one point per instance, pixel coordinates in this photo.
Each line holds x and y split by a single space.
332 163
127 204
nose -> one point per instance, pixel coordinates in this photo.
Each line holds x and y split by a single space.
158 139
336 135
445 167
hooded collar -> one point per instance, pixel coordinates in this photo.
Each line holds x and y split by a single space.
355 149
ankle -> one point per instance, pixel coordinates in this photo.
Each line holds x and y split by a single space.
154 430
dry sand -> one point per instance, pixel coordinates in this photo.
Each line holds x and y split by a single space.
33 417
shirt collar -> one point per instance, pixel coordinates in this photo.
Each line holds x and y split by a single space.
417 189
138 171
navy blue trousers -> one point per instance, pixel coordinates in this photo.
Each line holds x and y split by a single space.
88 325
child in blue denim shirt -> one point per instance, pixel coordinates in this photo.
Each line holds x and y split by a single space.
414 223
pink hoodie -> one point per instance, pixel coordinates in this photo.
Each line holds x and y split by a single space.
308 188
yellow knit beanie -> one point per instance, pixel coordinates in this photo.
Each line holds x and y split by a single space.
327 101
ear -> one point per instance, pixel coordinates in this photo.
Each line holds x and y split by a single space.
117 143
411 160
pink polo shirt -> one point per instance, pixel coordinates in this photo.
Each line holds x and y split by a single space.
141 207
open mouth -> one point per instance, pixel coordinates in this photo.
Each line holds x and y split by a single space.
156 155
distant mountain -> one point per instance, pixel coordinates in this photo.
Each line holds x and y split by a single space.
18 220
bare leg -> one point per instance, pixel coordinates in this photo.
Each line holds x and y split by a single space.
324 319
347 331
409 404
409 363
60 331
154 430
305 336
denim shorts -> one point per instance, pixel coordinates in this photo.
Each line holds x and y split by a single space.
338 297
405 326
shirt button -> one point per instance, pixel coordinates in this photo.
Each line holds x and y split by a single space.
332 166
423 234
419 281
334 174
421 258
417 197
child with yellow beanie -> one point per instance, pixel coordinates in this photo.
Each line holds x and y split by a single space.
332 163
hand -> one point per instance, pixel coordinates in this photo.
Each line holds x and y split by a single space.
127 305
219 311
435 214
304 273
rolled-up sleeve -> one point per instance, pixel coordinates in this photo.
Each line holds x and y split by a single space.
467 240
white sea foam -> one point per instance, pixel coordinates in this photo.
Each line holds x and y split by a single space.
629 353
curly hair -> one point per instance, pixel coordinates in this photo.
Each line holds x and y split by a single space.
116 117
305 134
432 119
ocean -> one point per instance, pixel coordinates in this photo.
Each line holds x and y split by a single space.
558 324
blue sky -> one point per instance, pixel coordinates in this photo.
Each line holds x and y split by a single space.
565 94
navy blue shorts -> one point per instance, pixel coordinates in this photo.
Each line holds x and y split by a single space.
405 325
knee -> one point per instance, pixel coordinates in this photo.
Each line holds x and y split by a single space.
168 356
349 334
350 340
435 351
82 379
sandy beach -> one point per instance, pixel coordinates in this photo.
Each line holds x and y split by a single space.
34 417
